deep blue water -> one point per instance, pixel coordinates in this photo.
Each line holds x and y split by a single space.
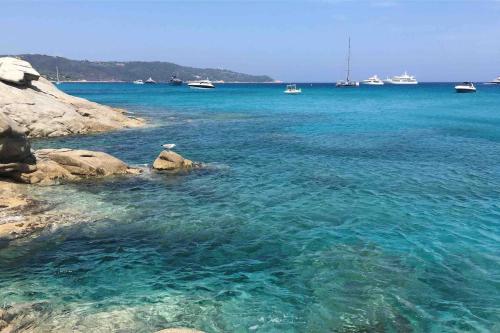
360 210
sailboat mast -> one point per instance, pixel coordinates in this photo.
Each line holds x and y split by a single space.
57 73
349 60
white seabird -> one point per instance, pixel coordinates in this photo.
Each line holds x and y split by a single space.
168 146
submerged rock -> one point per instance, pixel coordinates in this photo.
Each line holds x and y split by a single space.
45 111
17 71
22 216
169 160
19 317
180 330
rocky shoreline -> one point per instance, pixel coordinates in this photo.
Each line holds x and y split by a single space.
30 106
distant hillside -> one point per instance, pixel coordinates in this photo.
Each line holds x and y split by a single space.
72 70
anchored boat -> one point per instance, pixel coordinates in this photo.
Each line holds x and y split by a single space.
291 89
202 84
347 83
405 78
175 81
373 81
495 81
465 87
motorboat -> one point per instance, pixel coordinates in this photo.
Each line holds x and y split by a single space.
150 81
373 81
138 82
495 81
465 87
291 89
202 84
347 83
175 81
404 78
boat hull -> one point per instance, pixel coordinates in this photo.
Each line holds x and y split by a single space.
373 83
347 84
464 90
201 87
402 83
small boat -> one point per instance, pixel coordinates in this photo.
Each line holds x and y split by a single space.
404 78
495 81
174 81
202 84
465 87
150 81
373 81
347 83
138 82
291 89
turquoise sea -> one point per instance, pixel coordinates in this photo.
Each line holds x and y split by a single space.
339 210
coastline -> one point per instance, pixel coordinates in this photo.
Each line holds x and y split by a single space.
166 82
34 108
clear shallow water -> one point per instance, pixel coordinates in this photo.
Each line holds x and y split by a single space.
368 210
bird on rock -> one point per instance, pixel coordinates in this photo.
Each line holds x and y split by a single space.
168 146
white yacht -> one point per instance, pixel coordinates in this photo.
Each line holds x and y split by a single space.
150 81
347 83
495 81
138 82
466 87
373 81
402 79
202 84
291 89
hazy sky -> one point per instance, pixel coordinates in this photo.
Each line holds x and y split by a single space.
289 40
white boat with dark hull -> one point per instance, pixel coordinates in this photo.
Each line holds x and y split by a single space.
291 89
465 87
405 78
138 82
373 81
495 81
175 81
347 83
150 81
202 84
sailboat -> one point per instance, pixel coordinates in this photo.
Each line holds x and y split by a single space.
347 83
57 76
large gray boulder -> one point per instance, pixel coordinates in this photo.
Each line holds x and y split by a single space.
45 111
14 145
17 71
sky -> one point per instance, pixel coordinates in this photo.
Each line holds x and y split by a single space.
302 41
